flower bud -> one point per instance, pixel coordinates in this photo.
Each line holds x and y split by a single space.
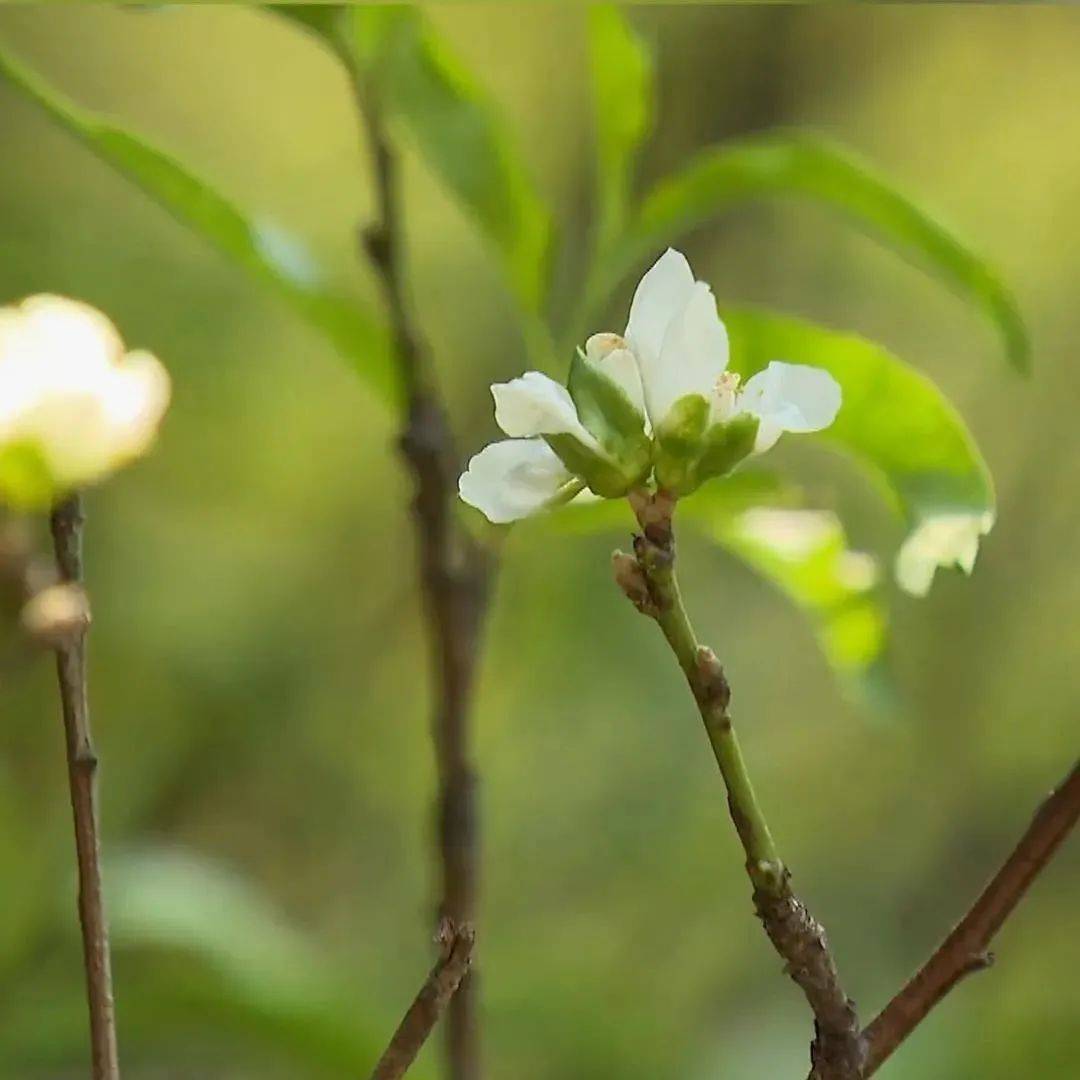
73 406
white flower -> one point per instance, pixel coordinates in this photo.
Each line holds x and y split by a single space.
942 540
681 348
73 406
674 349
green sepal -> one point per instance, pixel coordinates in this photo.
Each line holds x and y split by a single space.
725 445
26 482
610 417
678 443
604 477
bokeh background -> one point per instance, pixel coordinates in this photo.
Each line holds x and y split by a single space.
259 679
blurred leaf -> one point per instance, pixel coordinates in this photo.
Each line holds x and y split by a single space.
796 164
804 554
264 252
453 122
624 102
226 957
894 421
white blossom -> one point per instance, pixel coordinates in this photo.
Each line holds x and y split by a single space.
674 347
71 400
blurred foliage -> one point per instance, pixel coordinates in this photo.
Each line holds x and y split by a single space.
257 640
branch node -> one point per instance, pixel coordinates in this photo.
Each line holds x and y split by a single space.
713 687
631 580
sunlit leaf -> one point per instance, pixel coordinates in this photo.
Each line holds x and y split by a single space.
894 421
623 100
262 250
804 554
453 123
801 165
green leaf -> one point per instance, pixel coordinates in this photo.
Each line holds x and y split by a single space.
796 164
757 517
460 134
624 103
893 421
250 245
221 955
804 554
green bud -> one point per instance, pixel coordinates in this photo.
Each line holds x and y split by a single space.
678 443
26 482
725 445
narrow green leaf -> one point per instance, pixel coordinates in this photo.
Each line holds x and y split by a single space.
893 421
797 164
804 554
224 957
624 103
254 247
460 134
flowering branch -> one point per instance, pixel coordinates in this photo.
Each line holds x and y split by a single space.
648 579
67 526
965 949
438 989
454 575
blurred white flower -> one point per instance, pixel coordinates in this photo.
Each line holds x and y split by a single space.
618 418
942 540
73 406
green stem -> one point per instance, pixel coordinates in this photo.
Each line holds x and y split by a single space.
838 1051
710 689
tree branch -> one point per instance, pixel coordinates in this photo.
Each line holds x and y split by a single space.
965 949
648 579
454 575
439 988
67 525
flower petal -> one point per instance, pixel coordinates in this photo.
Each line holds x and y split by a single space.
661 294
693 356
512 479
942 540
609 352
790 397
533 404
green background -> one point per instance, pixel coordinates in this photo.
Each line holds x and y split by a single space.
258 668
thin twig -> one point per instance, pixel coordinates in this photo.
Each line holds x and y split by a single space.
965 950
429 1004
648 579
67 528
454 576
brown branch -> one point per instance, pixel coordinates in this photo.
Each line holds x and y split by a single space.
67 526
429 1004
454 576
648 579
965 950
